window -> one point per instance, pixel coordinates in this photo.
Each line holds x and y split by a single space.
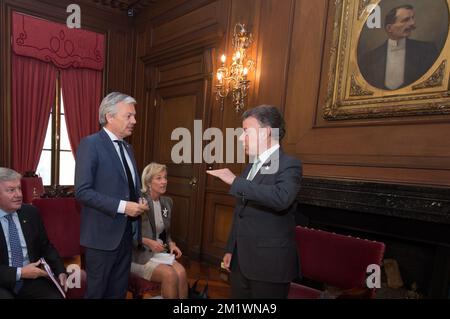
57 163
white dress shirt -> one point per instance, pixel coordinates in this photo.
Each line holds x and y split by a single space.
264 157
395 63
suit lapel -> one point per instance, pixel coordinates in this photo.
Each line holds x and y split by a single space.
3 248
410 62
246 170
165 212
113 153
382 63
151 216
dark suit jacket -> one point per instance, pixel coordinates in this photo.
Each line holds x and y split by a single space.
100 184
142 255
419 58
263 229
38 246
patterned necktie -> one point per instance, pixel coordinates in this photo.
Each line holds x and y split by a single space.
133 196
254 169
16 248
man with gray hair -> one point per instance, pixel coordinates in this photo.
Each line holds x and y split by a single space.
23 242
107 184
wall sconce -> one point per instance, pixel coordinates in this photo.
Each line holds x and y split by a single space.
233 79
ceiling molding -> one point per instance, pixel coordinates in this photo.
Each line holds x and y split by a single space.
125 5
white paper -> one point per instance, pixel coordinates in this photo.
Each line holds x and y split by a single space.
52 277
163 258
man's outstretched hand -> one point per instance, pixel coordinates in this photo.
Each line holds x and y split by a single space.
224 174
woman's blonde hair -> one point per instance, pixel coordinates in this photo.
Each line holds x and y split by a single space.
149 172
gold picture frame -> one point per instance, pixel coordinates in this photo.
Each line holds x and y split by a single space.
349 94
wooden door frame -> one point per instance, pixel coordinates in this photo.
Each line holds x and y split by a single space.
206 47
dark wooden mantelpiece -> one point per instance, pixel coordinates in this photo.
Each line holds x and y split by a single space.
412 202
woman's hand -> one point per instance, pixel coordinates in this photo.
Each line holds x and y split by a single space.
175 250
153 245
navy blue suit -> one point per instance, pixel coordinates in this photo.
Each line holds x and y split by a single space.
100 185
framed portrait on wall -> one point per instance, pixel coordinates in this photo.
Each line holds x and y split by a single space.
389 58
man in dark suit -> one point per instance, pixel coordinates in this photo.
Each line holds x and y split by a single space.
107 184
399 61
23 242
261 250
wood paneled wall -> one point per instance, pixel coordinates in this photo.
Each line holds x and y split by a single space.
402 150
118 30
175 57
291 50
175 44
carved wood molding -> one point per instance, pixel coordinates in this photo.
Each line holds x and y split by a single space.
189 48
435 80
126 4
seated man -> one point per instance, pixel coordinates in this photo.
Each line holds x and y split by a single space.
23 241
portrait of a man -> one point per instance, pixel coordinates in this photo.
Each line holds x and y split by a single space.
399 60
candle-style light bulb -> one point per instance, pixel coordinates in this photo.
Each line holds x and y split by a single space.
223 58
238 55
245 71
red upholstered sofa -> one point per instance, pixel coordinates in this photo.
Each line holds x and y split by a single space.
336 261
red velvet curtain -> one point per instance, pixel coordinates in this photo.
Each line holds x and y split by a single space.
81 90
40 48
33 94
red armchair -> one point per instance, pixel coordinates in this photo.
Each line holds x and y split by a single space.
337 261
61 217
139 286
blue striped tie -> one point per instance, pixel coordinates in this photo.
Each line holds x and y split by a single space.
16 247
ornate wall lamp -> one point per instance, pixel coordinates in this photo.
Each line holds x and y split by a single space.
233 79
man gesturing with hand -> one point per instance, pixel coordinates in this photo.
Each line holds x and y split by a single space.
261 252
